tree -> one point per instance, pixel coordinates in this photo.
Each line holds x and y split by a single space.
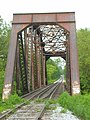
53 70
5 30
60 63
83 42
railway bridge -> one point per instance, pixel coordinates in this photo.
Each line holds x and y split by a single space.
36 37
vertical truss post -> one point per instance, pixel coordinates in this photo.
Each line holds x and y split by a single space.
29 39
46 71
68 72
42 65
17 70
44 76
75 83
38 61
26 57
39 68
32 63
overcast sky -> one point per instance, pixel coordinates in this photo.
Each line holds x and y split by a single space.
80 7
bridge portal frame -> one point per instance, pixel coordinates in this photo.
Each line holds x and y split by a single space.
20 21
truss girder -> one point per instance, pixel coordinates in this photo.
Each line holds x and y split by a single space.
34 39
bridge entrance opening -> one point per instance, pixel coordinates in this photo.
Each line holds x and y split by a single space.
56 70
35 45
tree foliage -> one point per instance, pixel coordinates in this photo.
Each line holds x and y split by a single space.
83 36
61 64
5 30
53 70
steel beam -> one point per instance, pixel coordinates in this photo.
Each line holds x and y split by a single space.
74 68
60 17
17 70
8 82
44 76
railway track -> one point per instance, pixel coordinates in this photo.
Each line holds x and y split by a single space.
32 111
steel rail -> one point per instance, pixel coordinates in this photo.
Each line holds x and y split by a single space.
30 93
43 92
53 93
34 94
48 93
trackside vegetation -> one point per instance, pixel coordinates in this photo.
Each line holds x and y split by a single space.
78 104
10 103
83 43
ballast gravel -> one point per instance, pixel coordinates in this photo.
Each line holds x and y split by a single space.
59 114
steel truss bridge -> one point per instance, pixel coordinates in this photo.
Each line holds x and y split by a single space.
36 37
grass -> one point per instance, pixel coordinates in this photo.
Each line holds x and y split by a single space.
10 103
1 82
13 99
63 110
79 105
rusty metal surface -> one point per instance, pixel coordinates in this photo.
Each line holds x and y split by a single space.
35 42
75 85
8 82
44 17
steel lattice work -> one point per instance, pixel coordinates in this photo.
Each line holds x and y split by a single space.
34 39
